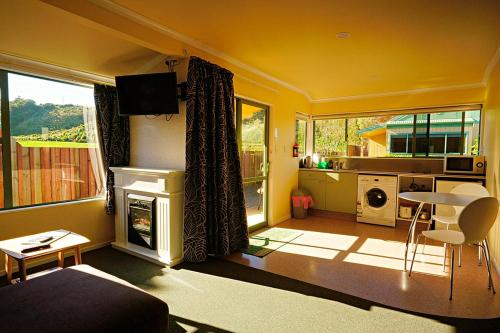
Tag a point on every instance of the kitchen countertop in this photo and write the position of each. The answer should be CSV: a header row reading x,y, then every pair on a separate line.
x,y
395,173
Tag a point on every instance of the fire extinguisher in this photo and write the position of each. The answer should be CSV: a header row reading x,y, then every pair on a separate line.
x,y
295,150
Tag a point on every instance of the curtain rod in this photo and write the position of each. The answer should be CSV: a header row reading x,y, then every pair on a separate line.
x,y
29,66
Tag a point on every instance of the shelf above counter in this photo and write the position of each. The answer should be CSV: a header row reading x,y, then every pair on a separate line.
x,y
411,219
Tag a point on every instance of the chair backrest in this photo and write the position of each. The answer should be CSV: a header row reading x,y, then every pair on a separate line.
x,y
469,189
477,218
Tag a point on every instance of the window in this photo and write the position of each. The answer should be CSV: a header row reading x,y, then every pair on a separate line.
x,y
330,137
432,134
399,145
365,136
49,144
300,135
472,130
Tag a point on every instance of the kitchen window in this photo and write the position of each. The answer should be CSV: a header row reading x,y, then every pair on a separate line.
x,y
50,151
432,134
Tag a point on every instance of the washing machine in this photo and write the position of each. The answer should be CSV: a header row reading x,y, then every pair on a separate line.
x,y
376,202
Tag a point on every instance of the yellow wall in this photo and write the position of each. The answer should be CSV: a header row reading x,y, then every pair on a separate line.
x,y
377,145
492,152
85,217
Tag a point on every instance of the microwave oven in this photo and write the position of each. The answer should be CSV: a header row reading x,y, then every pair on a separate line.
x,y
465,164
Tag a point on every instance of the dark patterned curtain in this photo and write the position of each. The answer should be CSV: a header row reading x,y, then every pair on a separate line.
x,y
114,135
214,209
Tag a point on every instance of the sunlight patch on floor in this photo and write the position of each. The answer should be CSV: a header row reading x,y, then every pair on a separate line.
x,y
325,240
309,251
393,263
385,248
372,252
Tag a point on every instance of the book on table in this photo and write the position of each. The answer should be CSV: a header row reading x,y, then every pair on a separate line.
x,y
46,238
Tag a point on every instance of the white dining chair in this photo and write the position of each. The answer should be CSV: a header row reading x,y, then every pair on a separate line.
x,y
467,189
475,220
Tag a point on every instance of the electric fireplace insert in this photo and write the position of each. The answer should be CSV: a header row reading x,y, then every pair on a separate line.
x,y
141,220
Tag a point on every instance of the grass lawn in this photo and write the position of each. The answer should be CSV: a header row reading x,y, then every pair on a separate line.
x,y
55,144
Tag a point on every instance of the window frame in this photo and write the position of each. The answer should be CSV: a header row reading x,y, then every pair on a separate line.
x,y
305,119
6,137
412,138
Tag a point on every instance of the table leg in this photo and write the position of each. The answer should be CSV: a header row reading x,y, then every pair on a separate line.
x,y
60,259
8,268
22,269
78,256
411,233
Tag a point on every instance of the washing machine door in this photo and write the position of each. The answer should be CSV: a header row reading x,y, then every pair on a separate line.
x,y
376,197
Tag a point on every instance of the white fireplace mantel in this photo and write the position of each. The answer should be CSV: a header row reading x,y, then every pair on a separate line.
x,y
167,186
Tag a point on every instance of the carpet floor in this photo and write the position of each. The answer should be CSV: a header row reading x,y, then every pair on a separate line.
x,y
222,296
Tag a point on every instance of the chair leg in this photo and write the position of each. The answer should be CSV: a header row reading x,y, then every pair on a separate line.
x,y
452,269
414,252
444,259
488,265
445,250
460,256
483,248
425,240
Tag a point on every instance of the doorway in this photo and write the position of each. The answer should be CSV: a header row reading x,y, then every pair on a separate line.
x,y
252,131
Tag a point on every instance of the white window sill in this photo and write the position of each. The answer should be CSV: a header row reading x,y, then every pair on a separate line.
x,y
50,205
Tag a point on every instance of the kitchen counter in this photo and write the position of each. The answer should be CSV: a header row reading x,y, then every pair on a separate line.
x,y
395,173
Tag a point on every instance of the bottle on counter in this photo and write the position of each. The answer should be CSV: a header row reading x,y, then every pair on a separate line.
x,y
308,162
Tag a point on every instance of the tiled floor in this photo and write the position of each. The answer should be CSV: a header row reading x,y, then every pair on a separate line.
x,y
367,261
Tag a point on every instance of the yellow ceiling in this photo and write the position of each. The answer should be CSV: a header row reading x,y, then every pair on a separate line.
x,y
37,31
394,45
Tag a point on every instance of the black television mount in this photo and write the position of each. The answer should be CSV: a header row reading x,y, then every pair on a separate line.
x,y
181,87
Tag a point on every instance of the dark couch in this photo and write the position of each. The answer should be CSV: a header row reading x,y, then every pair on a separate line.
x,y
80,299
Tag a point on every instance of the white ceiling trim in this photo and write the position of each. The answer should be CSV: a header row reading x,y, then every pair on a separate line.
x,y
399,93
30,66
138,18
491,66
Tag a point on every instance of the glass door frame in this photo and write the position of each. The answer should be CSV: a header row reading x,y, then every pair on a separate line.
x,y
239,101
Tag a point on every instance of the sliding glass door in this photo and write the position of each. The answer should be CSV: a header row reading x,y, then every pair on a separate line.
x,y
252,131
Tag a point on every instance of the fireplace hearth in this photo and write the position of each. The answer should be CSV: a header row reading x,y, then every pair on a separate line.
x,y
141,220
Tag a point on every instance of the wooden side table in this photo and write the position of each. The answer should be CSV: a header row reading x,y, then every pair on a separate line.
x,y
13,247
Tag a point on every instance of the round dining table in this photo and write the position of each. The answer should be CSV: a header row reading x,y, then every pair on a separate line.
x,y
422,198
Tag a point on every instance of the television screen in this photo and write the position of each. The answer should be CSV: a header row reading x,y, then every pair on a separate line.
x,y
147,94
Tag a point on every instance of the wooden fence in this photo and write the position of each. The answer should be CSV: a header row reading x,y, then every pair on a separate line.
x,y
251,163
50,174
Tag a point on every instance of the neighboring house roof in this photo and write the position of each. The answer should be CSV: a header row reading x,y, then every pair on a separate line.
x,y
438,119
371,129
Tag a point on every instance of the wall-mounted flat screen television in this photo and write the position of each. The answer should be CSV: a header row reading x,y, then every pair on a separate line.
x,y
147,94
